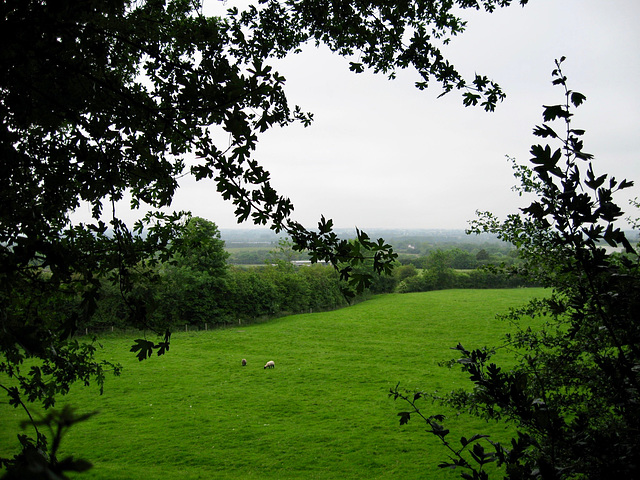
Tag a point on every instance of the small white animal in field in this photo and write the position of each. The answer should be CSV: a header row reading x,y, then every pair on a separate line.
x,y
270,364
244,362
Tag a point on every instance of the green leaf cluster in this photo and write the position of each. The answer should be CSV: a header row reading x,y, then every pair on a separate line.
x,y
572,394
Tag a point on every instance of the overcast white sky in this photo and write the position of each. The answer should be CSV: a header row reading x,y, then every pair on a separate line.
x,y
382,154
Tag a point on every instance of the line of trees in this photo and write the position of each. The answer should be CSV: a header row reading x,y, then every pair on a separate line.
x,y
444,278
463,257
197,286
187,297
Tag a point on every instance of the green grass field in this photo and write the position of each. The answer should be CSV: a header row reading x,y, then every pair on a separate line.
x,y
323,412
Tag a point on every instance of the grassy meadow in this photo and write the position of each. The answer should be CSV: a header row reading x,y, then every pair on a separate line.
x,y
323,412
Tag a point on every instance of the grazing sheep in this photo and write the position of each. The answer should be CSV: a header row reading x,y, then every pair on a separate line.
x,y
270,364
244,362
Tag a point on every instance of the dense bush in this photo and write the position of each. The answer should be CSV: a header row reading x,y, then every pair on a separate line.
x,y
324,288
459,268
433,279
403,272
251,294
187,296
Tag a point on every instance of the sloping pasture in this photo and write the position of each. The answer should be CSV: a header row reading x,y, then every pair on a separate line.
x,y
322,413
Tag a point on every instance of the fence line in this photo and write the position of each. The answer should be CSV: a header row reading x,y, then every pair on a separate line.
x,y
108,329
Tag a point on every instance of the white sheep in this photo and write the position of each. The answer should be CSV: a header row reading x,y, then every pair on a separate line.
x,y
270,364
244,362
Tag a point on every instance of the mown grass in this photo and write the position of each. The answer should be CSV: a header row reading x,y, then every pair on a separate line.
x,y
323,412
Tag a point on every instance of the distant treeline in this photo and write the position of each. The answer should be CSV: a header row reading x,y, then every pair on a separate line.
x,y
187,297
432,279
257,255
467,252
245,295
199,287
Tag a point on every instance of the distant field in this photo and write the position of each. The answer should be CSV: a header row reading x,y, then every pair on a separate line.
x,y
249,248
252,255
321,413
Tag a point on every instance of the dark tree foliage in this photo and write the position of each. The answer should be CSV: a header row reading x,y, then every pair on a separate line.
x,y
200,248
103,99
573,395
34,463
384,36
